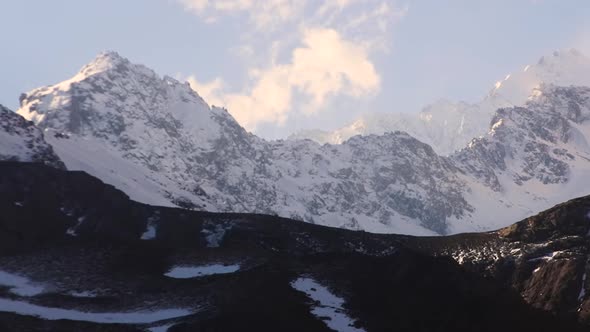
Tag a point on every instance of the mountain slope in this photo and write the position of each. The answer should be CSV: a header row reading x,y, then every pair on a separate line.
x,y
82,256
20,140
533,157
544,257
448,126
158,141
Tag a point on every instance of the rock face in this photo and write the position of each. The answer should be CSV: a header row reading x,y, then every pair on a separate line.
x,y
77,254
542,139
20,140
449,126
159,142
534,156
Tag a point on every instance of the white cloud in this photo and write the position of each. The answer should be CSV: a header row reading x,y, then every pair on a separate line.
x,y
328,65
581,40
261,12
209,91
330,5
196,6
326,45
325,65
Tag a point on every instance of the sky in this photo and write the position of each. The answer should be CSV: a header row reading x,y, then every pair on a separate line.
x,y
280,66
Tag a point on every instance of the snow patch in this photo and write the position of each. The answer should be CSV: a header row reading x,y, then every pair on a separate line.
x,y
20,285
67,212
72,230
83,294
186,272
149,234
214,237
550,256
49,313
582,293
161,328
330,305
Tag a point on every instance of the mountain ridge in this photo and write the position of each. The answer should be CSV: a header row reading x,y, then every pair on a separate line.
x,y
448,126
160,142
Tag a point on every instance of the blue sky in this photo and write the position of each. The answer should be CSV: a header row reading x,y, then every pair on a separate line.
x,y
284,65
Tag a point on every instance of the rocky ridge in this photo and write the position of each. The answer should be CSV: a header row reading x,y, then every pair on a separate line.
x,y
158,141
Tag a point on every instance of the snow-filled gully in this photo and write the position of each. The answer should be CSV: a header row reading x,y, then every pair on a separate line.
x,y
330,305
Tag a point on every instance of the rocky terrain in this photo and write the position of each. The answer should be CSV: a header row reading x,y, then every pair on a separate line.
x,y
23,141
544,257
78,254
159,142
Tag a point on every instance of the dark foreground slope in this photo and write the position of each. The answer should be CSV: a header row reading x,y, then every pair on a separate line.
x,y
544,257
88,249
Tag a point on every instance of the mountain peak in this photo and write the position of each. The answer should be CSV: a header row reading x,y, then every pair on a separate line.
x,y
561,68
111,97
113,64
110,56
104,61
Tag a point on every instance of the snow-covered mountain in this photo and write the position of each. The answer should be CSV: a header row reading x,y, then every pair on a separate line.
x,y
444,125
158,141
448,126
20,140
533,156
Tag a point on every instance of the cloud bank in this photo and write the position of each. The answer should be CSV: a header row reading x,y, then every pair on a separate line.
x,y
311,51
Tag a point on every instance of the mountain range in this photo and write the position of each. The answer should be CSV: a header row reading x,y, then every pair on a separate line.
x,y
130,204
161,143
77,254
449,126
